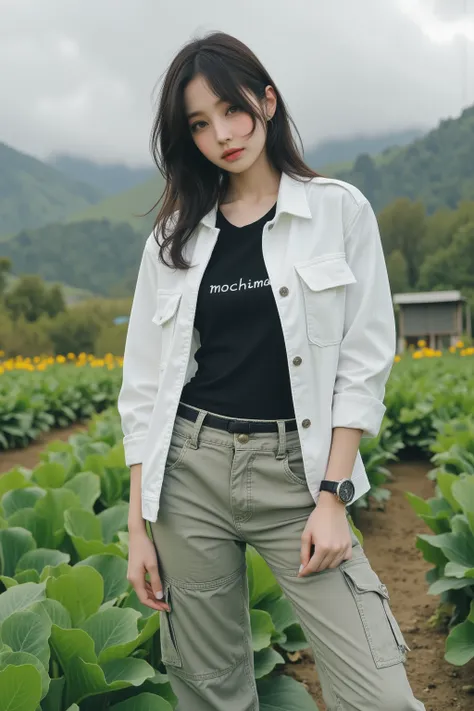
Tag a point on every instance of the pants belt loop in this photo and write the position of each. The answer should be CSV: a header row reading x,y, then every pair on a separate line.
x,y
281,440
194,439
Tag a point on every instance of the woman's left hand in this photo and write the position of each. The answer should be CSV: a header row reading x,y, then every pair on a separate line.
x,y
327,529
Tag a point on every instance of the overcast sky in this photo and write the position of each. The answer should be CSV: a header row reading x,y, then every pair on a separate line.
x,y
80,76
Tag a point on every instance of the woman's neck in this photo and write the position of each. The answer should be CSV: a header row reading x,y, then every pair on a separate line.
x,y
255,185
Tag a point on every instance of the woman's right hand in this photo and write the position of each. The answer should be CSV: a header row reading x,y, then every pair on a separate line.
x,y
141,560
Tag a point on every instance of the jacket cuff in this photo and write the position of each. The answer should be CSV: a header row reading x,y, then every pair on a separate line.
x,y
358,412
134,446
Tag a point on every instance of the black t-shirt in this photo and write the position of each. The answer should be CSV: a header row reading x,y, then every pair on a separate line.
x,y
242,362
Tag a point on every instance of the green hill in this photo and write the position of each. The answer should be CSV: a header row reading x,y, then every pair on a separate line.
x,y
436,169
339,154
33,194
108,178
127,207
97,256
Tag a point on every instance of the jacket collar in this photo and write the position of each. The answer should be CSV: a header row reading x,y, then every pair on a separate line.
x,y
292,199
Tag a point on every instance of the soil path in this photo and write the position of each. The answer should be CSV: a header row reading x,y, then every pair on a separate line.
x,y
389,541
30,456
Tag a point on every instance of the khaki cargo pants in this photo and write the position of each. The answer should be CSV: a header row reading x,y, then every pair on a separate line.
x,y
221,491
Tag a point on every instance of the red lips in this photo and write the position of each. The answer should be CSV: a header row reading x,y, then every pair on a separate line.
x,y
231,152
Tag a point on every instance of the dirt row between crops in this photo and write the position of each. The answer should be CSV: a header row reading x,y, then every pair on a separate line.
x,y
389,540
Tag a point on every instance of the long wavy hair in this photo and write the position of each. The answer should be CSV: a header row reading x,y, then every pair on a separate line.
x,y
193,185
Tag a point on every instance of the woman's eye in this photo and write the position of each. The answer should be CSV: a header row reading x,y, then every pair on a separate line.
x,y
233,109
195,126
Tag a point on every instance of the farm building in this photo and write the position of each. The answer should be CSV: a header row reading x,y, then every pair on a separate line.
x,y
438,317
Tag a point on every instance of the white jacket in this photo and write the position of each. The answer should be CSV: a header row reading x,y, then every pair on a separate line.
x,y
327,271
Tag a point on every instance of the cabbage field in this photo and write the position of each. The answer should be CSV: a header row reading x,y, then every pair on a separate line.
x,y
73,634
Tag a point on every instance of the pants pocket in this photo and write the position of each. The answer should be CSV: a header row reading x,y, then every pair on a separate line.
x,y
169,649
386,641
176,451
293,467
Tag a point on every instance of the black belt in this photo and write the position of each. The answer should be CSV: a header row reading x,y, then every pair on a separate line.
x,y
240,426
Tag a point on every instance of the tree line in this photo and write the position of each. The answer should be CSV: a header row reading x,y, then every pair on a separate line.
x,y
36,320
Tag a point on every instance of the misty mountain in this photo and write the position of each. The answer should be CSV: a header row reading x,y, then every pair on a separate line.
x,y
33,194
108,178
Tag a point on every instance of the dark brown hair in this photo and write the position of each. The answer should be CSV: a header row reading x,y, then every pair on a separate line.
x,y
193,185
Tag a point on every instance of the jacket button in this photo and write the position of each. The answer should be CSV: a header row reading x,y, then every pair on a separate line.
x,y
306,423
297,360
243,438
284,291
270,227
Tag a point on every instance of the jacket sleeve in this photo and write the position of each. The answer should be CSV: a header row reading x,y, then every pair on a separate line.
x,y
141,360
368,347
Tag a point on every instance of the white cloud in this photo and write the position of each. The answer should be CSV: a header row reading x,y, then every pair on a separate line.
x,y
431,17
81,74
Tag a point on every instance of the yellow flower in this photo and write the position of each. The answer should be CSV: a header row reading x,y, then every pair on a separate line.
x,y
398,359
421,344
60,359
460,344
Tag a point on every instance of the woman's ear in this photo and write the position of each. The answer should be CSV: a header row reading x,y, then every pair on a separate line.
x,y
270,102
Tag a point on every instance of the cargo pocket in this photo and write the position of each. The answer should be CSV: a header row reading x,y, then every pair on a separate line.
x,y
165,316
324,283
169,650
386,642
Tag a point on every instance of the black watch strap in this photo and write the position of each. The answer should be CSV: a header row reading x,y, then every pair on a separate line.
x,y
329,486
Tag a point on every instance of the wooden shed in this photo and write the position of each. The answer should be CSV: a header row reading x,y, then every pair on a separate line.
x,y
438,317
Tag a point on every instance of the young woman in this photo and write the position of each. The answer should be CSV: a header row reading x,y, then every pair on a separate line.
x,y
260,340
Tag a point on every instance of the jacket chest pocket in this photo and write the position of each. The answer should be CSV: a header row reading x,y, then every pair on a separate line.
x,y
165,317
324,292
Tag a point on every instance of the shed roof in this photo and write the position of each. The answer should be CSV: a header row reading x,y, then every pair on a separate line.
x,y
428,297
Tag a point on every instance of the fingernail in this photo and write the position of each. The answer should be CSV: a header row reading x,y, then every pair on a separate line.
x,y
301,568
159,595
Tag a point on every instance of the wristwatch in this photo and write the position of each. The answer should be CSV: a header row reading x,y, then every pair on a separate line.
x,y
344,490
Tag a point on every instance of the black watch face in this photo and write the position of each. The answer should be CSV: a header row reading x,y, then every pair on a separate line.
x,y
346,492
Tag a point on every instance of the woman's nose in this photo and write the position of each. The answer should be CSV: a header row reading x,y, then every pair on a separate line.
x,y
223,132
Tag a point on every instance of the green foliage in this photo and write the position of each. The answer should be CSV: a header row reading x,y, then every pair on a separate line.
x,y
75,331
376,453
36,322
91,255
402,226
35,402
5,267
422,394
75,631
436,169
398,272
451,266
450,516
33,194
30,299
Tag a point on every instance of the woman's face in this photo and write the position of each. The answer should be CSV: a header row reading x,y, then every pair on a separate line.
x,y
218,127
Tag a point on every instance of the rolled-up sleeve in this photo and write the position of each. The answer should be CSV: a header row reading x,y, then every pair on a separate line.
x,y
141,360
368,347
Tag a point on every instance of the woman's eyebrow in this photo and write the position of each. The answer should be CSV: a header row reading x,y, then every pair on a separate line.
x,y
196,113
